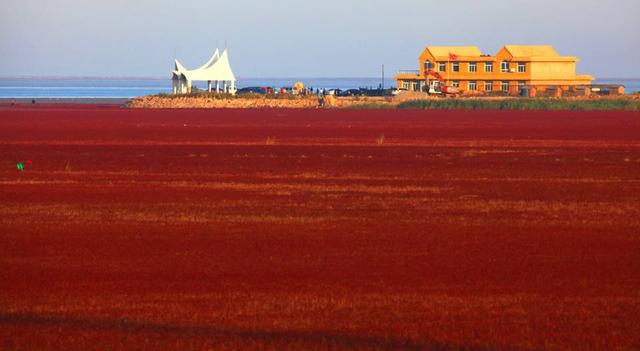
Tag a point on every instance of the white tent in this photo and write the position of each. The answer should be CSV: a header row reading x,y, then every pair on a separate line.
x,y
217,70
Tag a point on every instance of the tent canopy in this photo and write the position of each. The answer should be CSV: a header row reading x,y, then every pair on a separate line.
x,y
216,69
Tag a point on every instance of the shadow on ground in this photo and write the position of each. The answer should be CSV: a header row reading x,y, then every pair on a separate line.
x,y
196,336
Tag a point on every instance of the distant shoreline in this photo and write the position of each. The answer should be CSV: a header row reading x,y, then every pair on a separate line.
x,y
61,89
390,77
88,101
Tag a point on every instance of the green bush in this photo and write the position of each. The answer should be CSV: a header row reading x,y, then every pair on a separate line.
x,y
523,104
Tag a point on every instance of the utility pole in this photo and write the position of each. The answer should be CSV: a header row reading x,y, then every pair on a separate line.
x,y
383,77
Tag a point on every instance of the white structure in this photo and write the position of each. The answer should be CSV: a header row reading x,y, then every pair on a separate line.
x,y
217,70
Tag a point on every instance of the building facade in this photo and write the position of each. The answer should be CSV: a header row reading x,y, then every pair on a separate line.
x,y
512,68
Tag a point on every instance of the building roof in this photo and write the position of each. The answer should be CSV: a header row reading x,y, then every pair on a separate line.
x,y
532,50
217,68
441,51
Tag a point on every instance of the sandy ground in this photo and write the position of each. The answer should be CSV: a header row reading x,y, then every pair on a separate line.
x,y
260,102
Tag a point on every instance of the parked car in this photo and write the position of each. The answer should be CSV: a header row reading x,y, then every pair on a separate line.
x,y
253,90
352,92
373,92
395,92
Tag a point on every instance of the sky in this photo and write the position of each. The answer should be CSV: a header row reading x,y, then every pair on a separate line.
x,y
286,38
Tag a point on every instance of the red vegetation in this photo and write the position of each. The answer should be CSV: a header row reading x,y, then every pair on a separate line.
x,y
313,229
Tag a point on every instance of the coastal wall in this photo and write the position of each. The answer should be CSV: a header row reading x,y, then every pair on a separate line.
x,y
251,102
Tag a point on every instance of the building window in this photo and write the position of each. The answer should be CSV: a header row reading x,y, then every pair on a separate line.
x,y
522,67
488,86
488,66
427,65
473,67
504,66
405,85
504,86
455,67
455,84
521,83
442,67
473,85
416,86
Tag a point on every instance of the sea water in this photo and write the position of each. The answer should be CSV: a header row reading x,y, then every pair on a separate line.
x,y
128,88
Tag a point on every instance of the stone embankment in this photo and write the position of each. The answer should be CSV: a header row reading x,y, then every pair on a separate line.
x,y
252,102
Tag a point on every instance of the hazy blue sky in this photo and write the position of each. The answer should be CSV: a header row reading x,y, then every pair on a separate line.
x,y
286,38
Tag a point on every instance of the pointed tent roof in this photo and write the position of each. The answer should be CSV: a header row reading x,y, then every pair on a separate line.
x,y
217,68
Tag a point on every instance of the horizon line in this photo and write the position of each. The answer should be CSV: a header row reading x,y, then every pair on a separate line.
x,y
239,78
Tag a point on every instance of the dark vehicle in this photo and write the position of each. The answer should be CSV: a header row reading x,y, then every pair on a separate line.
x,y
352,92
254,90
373,92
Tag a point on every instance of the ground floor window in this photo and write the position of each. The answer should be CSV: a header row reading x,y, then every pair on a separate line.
x,y
455,84
405,85
504,86
488,86
473,85
521,83
416,86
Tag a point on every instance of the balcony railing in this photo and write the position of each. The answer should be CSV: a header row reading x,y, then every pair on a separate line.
x,y
415,71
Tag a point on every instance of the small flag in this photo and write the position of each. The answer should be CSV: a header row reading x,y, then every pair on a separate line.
x,y
453,57
23,165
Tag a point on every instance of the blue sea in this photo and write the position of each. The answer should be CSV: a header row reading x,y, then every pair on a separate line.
x,y
128,88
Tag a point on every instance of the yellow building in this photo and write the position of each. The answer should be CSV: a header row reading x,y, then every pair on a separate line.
x,y
514,66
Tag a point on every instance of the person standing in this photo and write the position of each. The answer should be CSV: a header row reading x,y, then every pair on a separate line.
x,y
320,100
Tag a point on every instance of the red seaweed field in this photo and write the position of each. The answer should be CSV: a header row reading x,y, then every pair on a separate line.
x,y
134,229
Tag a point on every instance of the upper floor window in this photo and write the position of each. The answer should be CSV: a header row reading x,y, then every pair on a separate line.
x,y
504,66
473,67
488,66
427,65
522,67
455,67
442,67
